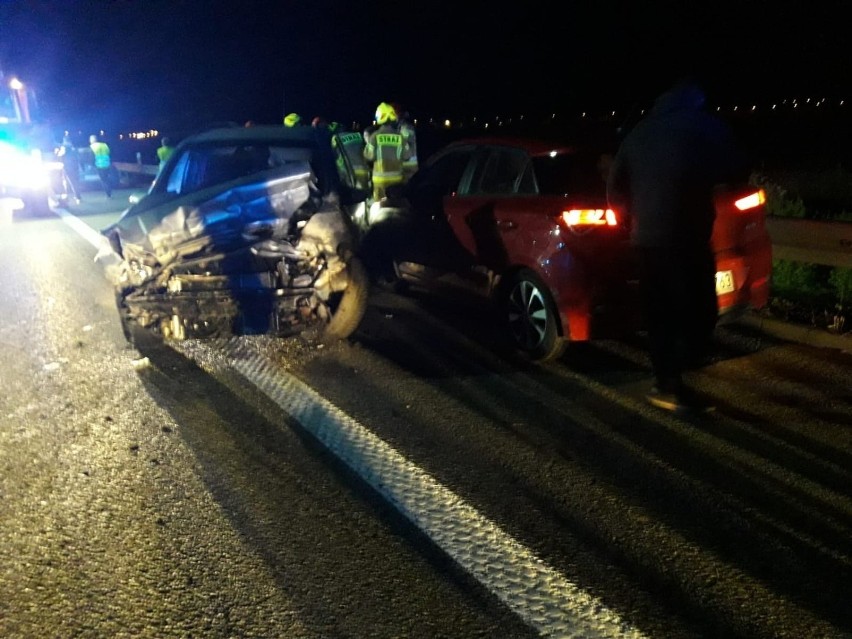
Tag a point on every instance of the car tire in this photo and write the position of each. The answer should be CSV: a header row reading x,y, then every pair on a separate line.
x,y
349,308
127,325
530,318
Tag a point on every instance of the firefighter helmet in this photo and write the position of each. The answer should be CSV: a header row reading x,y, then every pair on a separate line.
x,y
292,119
385,113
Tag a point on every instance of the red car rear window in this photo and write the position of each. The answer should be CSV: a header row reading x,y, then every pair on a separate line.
x,y
571,173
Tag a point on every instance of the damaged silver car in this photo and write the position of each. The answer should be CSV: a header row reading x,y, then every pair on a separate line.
x,y
244,231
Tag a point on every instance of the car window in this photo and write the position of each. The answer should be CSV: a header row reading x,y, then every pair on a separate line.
x,y
445,173
570,173
205,166
502,173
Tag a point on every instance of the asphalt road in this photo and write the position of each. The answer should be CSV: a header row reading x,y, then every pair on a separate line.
x,y
151,501
412,481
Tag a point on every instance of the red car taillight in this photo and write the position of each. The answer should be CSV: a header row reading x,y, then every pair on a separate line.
x,y
751,201
589,217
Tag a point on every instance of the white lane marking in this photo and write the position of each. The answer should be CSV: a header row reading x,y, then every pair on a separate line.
x,y
534,591
87,232
537,593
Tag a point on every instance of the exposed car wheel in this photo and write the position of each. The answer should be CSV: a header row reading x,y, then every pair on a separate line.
x,y
348,307
531,319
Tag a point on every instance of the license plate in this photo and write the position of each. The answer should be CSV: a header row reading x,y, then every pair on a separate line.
x,y
725,282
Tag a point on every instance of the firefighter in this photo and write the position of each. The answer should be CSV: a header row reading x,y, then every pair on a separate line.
x,y
409,140
349,149
384,151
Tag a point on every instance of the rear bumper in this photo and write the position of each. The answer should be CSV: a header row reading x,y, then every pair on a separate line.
x,y
751,270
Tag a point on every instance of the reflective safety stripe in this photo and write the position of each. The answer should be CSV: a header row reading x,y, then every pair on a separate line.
x,y
385,179
388,139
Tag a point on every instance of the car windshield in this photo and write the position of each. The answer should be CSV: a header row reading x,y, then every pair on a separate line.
x,y
201,166
571,173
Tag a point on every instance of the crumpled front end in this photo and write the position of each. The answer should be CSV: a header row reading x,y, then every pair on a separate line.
x,y
261,258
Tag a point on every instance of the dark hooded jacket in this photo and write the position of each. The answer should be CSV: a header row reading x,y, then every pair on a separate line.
x,y
664,173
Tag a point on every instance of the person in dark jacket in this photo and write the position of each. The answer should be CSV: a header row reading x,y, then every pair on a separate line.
x,y
663,178
70,158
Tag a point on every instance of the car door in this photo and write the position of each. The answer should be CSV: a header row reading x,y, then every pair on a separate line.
x,y
482,217
432,191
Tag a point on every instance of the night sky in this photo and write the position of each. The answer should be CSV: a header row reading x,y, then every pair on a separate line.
x,y
154,63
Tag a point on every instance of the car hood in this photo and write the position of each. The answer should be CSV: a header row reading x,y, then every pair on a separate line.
x,y
210,216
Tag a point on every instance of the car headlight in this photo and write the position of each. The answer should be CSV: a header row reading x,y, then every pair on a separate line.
x,y
18,169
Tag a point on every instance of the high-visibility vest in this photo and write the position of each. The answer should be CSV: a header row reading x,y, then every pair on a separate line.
x,y
351,144
384,147
164,153
101,151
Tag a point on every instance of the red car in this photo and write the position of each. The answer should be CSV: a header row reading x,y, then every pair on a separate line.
x,y
526,224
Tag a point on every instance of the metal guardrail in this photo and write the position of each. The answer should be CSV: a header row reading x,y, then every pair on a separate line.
x,y
136,167
812,241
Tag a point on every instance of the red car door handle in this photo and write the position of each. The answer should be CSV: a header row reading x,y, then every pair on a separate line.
x,y
506,225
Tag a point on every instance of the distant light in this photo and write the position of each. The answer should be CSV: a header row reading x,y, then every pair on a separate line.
x,y
773,106
613,114
447,124
486,125
553,116
15,84
753,107
583,114
841,103
552,154
102,132
121,136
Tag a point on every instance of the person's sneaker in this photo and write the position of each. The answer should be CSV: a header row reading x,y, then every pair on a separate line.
x,y
680,402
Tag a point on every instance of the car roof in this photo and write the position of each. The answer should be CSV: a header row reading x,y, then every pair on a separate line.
x,y
300,135
319,140
533,146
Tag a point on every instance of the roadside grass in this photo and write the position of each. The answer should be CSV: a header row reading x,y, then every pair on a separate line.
x,y
814,294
